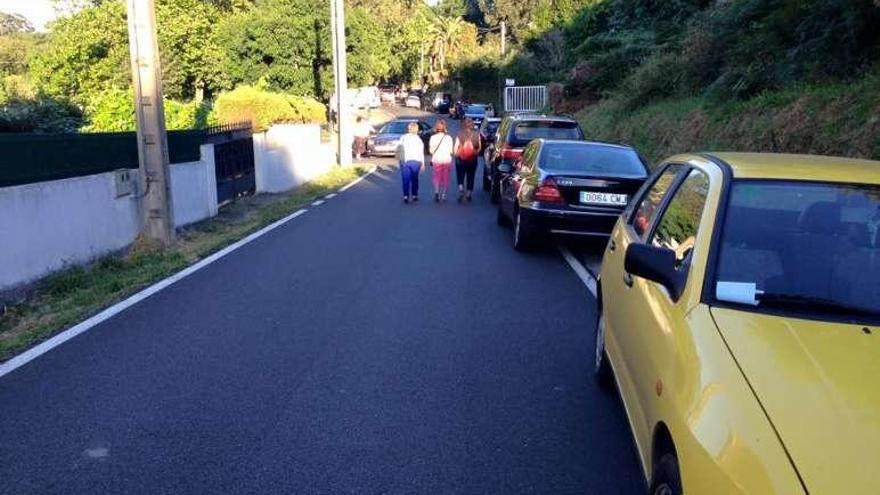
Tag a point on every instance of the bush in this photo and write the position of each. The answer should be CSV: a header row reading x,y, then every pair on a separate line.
x,y
112,110
264,108
41,114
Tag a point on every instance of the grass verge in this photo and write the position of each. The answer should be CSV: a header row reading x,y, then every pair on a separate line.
x,y
72,295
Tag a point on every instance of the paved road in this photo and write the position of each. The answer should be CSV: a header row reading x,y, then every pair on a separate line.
x,y
365,347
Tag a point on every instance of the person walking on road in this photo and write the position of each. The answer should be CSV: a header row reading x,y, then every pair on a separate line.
x,y
466,149
440,147
362,132
411,156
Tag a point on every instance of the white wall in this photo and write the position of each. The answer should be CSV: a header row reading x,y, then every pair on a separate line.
x,y
50,225
194,189
288,155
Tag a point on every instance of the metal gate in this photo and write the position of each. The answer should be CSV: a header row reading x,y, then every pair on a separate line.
x,y
233,161
525,98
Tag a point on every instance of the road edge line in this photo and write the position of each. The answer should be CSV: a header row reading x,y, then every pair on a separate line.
x,y
56,340
579,269
354,182
104,315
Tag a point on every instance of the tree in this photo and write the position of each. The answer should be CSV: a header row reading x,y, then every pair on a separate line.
x,y
445,32
87,52
14,23
283,44
369,49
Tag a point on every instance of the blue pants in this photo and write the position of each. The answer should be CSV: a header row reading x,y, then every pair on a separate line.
x,y
409,175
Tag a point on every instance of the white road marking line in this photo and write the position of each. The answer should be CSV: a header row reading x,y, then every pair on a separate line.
x,y
354,182
39,350
318,202
330,196
44,347
579,269
82,327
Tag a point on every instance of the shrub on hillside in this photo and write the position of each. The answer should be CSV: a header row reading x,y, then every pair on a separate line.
x,y
264,108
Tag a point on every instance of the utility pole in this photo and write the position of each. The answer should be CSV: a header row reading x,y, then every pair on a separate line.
x,y
344,132
422,62
152,143
503,39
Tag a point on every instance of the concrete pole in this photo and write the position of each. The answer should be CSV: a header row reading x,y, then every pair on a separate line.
x,y
345,132
335,100
152,141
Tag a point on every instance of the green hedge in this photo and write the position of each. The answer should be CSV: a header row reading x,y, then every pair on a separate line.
x,y
264,108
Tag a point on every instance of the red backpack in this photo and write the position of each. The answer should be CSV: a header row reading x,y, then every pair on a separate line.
x,y
467,151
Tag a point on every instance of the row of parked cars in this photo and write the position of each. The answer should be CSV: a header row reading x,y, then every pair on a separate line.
x,y
738,301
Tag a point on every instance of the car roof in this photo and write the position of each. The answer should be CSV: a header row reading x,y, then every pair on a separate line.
x,y
782,166
534,116
585,143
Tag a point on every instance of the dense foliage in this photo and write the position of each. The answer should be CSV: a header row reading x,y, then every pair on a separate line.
x,y
634,52
263,108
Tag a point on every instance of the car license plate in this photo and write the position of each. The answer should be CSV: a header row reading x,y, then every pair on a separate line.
x,y
600,198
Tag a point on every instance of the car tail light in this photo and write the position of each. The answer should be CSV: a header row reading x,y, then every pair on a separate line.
x,y
511,153
548,192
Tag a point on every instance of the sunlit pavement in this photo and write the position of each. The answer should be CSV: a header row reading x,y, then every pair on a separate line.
x,y
365,347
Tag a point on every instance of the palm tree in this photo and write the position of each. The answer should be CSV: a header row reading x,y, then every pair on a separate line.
x,y
444,32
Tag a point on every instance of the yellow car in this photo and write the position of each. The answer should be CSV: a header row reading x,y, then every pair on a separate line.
x,y
739,316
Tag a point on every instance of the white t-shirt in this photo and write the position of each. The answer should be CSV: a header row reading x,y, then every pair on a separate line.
x,y
362,129
411,149
440,147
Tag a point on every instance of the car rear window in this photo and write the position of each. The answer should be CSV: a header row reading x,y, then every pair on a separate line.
x,y
395,128
524,132
476,109
584,157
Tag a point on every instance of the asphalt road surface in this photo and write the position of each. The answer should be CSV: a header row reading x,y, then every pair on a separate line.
x,y
365,347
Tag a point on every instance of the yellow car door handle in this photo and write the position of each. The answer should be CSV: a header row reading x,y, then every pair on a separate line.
x,y
628,279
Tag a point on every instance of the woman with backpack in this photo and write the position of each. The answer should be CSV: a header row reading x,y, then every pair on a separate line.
x,y
466,149
440,146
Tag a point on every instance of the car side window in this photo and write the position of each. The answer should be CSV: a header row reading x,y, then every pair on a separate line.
x,y
677,228
651,200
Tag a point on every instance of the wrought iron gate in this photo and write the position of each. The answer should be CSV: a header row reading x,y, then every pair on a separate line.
x,y
233,161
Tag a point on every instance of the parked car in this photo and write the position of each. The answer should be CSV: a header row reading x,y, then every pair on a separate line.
x,y
387,94
385,142
488,130
368,97
573,188
476,112
514,133
739,308
413,101
441,102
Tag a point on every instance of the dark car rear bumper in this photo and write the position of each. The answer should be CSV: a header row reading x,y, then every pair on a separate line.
x,y
570,222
